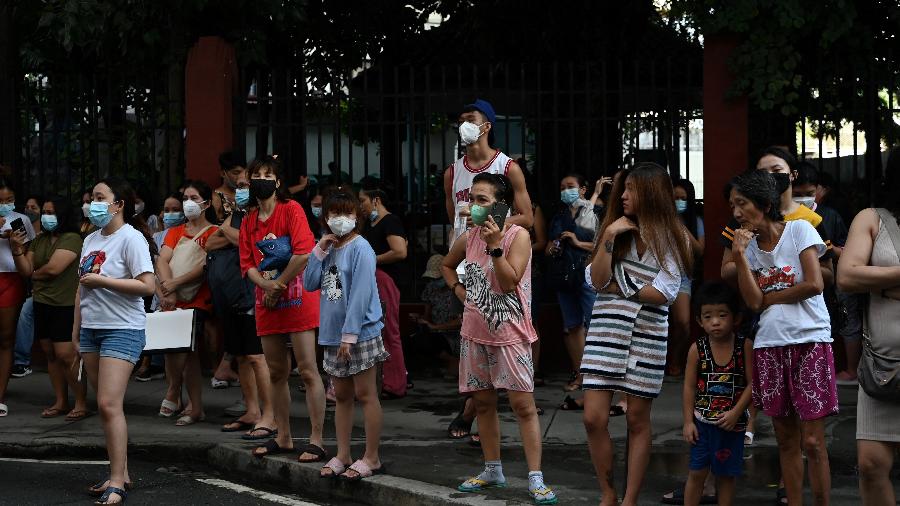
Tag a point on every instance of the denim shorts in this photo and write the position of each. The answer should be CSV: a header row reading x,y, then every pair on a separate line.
x,y
720,450
576,306
685,286
124,344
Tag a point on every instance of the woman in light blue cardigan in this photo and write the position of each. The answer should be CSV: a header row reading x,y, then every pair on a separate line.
x,y
342,266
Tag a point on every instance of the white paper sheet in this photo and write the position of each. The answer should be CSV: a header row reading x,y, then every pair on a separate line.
x,y
170,330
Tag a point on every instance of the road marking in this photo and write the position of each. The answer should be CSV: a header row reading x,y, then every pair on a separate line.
x,y
70,462
259,494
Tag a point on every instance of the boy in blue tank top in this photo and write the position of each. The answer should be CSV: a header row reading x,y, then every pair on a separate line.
x,y
716,394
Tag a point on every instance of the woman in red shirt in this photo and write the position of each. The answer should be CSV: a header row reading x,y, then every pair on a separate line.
x,y
173,291
283,309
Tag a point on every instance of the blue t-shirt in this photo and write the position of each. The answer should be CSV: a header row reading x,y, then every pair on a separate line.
x,y
349,307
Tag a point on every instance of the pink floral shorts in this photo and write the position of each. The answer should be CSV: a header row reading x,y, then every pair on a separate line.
x,y
797,378
484,367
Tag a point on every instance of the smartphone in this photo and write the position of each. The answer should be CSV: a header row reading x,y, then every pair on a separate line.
x,y
499,212
18,224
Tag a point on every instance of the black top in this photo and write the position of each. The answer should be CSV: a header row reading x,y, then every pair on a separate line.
x,y
377,235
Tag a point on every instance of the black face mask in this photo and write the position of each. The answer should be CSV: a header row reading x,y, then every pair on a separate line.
x,y
782,182
262,188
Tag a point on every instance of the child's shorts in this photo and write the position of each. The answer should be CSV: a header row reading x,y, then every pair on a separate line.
x,y
720,450
484,367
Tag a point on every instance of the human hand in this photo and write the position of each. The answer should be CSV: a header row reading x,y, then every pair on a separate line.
x,y
17,240
168,286
167,303
491,233
620,226
742,238
728,420
603,181
273,291
343,352
689,433
568,235
327,241
92,280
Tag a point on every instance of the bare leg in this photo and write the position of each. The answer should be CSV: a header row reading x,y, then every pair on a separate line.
x,y
787,432
876,458
596,423
819,469
263,383
57,377
639,435
522,404
66,356
344,393
726,486
279,369
485,402
366,389
8,317
175,363
194,382
110,376
248,391
574,340
693,488
305,353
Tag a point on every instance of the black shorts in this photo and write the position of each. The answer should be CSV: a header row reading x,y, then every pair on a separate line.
x,y
240,335
53,322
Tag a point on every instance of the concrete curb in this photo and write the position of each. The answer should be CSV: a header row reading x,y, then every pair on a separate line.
x,y
381,489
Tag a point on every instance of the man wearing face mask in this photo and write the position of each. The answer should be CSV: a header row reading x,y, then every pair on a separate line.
x,y
232,169
476,134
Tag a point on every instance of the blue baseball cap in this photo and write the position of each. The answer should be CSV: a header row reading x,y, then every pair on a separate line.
x,y
485,108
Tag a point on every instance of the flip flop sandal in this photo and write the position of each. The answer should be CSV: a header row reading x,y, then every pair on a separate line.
x,y
362,471
312,449
168,409
52,413
460,426
186,420
104,499
476,484
241,426
4,410
269,433
569,404
336,467
616,410
272,448
543,495
97,489
475,440
748,438
218,384
677,497
76,416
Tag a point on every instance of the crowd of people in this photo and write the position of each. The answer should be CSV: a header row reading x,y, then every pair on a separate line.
x,y
302,280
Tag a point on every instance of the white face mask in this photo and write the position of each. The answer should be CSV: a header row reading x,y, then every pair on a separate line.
x,y
192,210
809,202
86,209
469,132
341,225
139,208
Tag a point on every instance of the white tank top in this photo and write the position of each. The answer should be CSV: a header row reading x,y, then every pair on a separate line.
x,y
463,174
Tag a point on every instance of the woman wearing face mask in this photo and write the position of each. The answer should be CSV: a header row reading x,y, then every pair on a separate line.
x,y
343,267
116,272
33,207
51,261
315,209
283,309
12,288
141,209
572,232
680,312
385,234
182,291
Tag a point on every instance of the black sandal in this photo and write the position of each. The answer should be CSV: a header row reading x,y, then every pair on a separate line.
x,y
96,490
312,449
569,404
459,425
272,448
253,437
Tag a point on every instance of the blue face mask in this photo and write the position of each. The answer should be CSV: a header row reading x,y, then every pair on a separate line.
x,y
316,212
242,197
99,214
680,205
569,196
173,219
5,209
49,222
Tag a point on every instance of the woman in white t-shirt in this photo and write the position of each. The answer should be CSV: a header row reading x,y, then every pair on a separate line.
x,y
116,271
779,276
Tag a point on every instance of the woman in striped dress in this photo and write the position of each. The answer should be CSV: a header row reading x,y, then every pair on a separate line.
x,y
636,267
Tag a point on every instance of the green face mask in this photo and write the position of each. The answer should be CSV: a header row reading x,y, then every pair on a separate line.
x,y
479,214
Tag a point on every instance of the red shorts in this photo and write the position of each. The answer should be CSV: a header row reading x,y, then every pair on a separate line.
x,y
12,289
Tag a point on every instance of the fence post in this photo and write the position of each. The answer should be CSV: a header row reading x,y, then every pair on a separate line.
x,y
209,84
725,143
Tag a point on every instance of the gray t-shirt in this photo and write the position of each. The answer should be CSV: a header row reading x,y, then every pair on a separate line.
x,y
124,254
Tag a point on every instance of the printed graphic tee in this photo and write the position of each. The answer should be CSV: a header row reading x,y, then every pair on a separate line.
x,y
124,254
806,321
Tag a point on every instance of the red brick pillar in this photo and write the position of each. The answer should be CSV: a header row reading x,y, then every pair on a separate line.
x,y
209,85
725,144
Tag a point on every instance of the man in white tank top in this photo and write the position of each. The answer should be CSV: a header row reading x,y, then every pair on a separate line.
x,y
475,125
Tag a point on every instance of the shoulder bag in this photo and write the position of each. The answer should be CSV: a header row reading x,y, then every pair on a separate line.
x,y
186,256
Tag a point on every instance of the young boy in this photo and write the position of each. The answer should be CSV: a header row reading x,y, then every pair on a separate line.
x,y
716,394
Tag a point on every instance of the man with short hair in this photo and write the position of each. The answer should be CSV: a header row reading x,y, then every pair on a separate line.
x,y
232,168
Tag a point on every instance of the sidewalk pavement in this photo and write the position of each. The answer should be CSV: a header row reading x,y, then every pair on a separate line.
x,y
424,466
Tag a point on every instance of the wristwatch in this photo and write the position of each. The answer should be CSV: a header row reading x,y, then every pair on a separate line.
x,y
496,252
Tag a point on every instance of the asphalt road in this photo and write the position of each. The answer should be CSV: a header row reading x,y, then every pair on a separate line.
x,y
27,482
